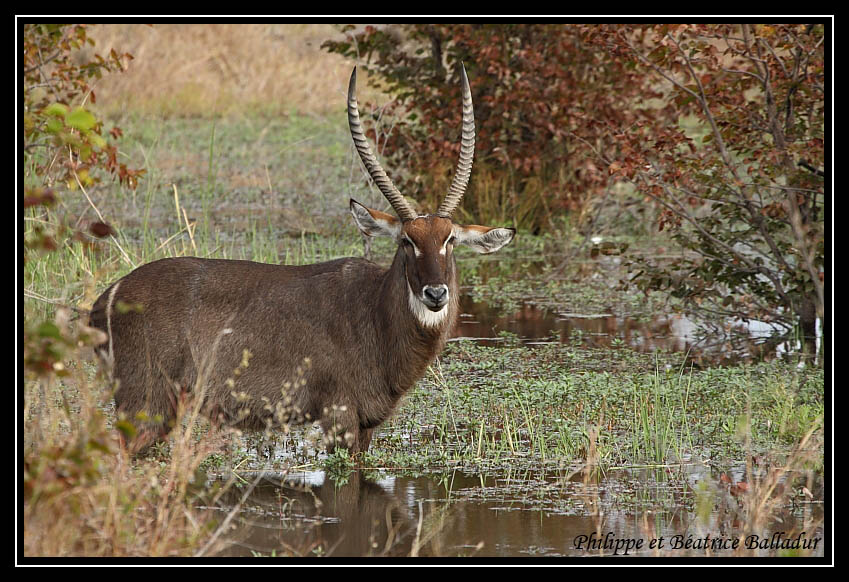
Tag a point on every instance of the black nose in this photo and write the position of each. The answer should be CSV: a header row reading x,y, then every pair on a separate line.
x,y
436,295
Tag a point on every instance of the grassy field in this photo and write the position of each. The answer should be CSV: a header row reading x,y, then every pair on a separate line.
x,y
223,69
249,157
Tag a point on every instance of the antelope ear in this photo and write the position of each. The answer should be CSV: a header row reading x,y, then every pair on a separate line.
x,y
483,239
374,222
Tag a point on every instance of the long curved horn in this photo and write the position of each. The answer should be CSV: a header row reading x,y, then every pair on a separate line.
x,y
402,207
467,153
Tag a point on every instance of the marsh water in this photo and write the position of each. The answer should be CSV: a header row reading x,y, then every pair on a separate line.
x,y
627,512
664,332
534,325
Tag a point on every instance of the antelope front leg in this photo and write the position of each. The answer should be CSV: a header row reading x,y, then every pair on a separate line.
x,y
341,429
364,439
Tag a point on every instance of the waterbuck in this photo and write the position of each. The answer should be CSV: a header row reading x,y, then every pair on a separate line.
x,y
265,345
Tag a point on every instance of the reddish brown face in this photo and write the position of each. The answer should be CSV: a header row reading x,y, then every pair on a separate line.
x,y
428,242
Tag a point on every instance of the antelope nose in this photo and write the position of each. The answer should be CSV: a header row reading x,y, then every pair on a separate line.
x,y
435,296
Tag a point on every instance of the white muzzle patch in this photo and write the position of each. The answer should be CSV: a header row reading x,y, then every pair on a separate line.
x,y
425,316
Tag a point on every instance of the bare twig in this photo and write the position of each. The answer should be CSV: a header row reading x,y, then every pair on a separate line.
x,y
100,216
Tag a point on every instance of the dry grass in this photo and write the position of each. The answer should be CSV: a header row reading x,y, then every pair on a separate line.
x,y
217,68
83,495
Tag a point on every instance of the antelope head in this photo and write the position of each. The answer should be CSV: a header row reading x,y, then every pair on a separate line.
x,y
426,242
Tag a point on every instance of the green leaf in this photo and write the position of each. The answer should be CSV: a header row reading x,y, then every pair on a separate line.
x,y
54,125
80,119
128,429
97,140
56,109
49,329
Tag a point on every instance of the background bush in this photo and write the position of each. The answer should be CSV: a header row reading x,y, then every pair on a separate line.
x,y
720,129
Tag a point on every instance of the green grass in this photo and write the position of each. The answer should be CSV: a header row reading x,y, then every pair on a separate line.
x,y
265,190
493,406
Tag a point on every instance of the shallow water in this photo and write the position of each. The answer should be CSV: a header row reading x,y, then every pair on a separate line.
x,y
534,325
541,513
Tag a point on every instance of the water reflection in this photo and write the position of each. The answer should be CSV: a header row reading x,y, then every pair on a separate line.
x,y
306,514
553,513
534,325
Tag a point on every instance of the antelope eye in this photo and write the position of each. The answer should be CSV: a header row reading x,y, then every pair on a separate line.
x,y
451,239
407,242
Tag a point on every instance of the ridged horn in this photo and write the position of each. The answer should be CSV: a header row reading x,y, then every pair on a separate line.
x,y
399,204
467,153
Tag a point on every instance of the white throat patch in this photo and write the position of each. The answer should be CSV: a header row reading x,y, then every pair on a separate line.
x,y
425,316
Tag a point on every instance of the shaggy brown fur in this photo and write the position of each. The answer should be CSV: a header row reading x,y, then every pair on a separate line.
x,y
334,342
